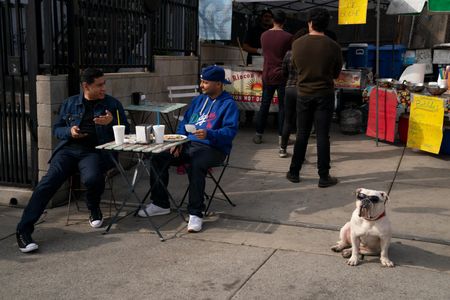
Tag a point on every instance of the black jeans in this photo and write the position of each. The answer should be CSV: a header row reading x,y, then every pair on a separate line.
x,y
267,95
200,158
65,163
317,110
290,114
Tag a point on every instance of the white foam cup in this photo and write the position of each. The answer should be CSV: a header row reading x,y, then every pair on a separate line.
x,y
190,128
119,134
158,131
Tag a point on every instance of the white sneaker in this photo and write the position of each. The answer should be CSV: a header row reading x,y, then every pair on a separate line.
x,y
153,210
195,224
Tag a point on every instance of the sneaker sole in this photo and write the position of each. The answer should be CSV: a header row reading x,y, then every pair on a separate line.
x,y
30,249
96,226
154,214
293,180
327,185
283,155
193,231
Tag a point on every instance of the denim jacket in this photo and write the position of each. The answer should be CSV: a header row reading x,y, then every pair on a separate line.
x,y
71,114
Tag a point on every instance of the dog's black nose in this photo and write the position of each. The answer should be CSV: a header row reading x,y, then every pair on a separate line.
x,y
365,203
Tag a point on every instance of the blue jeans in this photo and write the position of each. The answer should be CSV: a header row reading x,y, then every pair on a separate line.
x,y
200,158
317,110
65,163
267,95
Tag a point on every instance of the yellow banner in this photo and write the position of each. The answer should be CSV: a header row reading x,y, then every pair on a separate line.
x,y
425,123
352,12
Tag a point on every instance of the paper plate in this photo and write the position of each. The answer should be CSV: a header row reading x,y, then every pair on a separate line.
x,y
174,137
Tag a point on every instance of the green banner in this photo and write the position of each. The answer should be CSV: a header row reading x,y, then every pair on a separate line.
x,y
439,5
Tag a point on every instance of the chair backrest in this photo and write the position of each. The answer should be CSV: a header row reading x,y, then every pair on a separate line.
x,y
182,91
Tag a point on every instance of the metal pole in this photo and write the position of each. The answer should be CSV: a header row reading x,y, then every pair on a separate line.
x,y
377,64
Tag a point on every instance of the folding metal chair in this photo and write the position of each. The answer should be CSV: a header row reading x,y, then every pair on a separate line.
x,y
76,189
182,91
217,186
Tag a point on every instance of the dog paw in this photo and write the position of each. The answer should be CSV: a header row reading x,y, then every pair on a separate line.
x,y
346,253
353,261
336,248
386,262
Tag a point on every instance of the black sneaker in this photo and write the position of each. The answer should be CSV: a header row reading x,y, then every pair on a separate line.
x,y
292,178
96,218
327,181
25,242
282,152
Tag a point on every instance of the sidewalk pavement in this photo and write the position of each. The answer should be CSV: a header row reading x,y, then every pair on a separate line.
x,y
274,243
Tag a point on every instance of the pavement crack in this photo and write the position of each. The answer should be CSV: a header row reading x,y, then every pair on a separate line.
x,y
252,274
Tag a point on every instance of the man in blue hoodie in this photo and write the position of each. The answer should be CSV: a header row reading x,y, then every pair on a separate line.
x,y
215,116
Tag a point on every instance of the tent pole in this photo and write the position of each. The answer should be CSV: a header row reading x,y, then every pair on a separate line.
x,y
377,64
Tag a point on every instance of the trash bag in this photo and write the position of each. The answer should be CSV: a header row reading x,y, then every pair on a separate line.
x,y
351,121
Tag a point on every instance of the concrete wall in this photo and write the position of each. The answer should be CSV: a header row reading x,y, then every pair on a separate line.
x,y
52,90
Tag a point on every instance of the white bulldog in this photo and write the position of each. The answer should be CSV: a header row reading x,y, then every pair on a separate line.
x,y
369,229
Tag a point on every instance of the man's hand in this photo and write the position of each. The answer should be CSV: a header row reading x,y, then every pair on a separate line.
x,y
76,134
175,151
104,119
200,134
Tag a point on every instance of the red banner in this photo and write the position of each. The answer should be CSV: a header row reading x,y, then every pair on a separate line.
x,y
387,112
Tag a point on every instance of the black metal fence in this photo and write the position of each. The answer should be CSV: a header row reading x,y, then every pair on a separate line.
x,y
176,26
113,34
18,143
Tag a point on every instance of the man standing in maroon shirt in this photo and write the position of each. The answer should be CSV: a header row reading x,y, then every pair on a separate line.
x,y
275,43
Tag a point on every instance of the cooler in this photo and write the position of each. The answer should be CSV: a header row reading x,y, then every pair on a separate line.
x,y
372,56
357,56
391,61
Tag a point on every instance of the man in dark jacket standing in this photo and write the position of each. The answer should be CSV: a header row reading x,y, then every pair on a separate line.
x,y
85,121
318,60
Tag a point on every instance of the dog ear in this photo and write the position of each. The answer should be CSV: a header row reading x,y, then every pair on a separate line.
x,y
358,190
385,196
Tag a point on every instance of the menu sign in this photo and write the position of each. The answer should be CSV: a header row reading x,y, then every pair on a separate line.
x,y
425,123
352,12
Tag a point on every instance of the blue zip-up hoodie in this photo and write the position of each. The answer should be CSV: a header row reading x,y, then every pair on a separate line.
x,y
71,114
220,118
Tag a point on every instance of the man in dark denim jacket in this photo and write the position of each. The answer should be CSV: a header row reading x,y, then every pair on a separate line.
x,y
85,121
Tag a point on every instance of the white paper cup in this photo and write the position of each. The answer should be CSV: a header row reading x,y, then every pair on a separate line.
x,y
158,131
119,134
190,128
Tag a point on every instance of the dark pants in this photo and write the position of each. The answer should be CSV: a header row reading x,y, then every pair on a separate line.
x,y
317,110
64,164
267,95
200,158
290,114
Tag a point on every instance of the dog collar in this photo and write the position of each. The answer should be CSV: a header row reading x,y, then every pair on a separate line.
x,y
377,218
